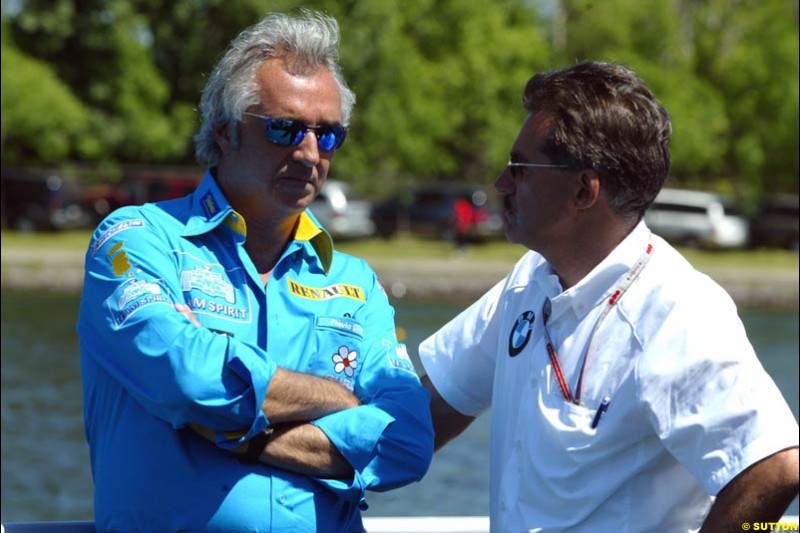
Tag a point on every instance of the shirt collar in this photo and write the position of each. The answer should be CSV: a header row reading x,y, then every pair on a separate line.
x,y
317,243
599,284
210,208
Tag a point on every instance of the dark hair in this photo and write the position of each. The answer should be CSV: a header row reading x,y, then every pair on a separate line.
x,y
605,118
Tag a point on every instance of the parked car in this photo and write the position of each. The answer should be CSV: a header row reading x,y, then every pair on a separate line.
x,y
342,212
139,186
436,211
697,218
40,199
777,222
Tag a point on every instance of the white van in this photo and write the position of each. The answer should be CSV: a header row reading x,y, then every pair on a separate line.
x,y
697,218
341,212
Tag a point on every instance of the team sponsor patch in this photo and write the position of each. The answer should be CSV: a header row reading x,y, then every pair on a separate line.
x,y
345,361
119,259
114,230
210,289
207,306
340,290
520,333
209,204
397,356
133,295
208,281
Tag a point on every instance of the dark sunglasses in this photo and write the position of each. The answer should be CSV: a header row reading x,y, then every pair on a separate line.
x,y
288,132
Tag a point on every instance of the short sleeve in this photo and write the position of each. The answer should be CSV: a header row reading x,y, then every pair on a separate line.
x,y
711,402
460,357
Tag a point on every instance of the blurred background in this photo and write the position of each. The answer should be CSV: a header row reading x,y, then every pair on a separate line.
x,y
100,94
99,105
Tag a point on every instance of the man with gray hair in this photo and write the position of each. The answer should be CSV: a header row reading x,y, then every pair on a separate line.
x,y
238,373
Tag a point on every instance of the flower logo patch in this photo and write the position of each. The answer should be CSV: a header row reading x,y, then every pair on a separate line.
x,y
345,361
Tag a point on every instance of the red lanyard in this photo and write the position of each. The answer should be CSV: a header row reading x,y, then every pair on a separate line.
x,y
626,282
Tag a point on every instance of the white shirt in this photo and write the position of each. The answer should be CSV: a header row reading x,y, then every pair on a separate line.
x,y
690,404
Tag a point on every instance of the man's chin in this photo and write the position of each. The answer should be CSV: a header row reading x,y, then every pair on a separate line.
x,y
295,199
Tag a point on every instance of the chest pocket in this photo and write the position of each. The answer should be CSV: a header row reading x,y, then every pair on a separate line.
x,y
337,348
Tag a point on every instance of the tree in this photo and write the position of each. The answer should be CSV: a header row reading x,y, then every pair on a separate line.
x,y
748,51
727,71
100,48
42,120
439,84
649,37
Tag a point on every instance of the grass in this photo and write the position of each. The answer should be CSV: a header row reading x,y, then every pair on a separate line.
x,y
64,240
408,247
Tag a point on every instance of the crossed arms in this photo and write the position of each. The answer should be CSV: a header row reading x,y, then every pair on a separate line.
x,y
230,390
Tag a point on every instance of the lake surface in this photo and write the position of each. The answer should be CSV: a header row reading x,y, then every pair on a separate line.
x,y
45,460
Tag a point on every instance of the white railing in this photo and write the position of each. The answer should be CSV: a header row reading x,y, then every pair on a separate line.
x,y
421,524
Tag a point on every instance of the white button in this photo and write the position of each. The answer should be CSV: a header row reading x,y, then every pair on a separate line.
x,y
282,499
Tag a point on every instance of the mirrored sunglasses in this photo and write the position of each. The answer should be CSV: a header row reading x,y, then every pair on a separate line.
x,y
288,132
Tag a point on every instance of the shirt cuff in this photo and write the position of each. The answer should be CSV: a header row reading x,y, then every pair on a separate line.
x,y
355,432
257,371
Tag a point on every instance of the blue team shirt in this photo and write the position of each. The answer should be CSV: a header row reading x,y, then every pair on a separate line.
x,y
148,372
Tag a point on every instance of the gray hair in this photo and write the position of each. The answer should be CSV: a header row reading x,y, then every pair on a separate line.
x,y
309,42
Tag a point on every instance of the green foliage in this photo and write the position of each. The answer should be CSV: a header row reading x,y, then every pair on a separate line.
x,y
727,71
42,120
748,50
116,76
648,37
439,86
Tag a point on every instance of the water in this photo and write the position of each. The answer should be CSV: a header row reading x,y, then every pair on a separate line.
x,y
45,461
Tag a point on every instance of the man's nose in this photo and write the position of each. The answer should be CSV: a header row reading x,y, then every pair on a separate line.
x,y
504,184
308,150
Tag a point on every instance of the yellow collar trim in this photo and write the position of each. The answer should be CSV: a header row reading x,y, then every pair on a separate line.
x,y
236,222
307,230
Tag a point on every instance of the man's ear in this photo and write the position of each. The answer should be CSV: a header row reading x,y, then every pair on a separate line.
x,y
222,135
588,189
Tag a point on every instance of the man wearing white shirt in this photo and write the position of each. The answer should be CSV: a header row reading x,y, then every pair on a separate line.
x,y
625,395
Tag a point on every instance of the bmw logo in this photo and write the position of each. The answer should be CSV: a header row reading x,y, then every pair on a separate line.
x,y
520,333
